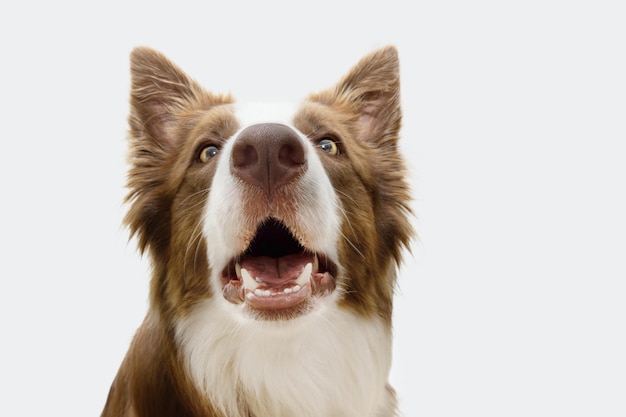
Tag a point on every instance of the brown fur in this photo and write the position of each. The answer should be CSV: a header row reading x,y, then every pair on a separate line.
x,y
171,116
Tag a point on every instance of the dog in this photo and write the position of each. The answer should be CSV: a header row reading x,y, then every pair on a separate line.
x,y
275,233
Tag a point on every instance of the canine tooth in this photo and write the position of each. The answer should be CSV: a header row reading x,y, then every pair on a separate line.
x,y
316,263
248,282
305,275
238,270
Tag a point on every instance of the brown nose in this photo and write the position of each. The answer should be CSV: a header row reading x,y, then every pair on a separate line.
x,y
268,155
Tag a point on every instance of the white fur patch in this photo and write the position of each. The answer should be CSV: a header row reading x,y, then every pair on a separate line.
x,y
328,363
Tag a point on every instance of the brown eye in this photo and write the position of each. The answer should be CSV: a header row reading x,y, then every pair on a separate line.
x,y
207,153
329,146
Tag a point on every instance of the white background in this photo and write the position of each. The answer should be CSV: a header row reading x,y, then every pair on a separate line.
x,y
513,302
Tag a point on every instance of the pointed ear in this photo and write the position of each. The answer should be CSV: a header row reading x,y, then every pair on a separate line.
x,y
160,95
159,90
372,89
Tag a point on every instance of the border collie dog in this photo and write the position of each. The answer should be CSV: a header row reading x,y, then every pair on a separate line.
x,y
275,232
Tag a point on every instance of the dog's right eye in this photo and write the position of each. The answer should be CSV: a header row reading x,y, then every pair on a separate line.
x,y
329,146
207,152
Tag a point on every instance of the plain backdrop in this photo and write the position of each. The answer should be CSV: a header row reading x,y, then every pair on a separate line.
x,y
512,302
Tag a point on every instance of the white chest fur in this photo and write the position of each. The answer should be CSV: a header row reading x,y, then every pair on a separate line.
x,y
328,363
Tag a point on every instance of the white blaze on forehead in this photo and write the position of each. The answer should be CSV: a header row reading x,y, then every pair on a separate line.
x,y
260,112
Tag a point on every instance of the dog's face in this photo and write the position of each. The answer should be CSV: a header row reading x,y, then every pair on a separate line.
x,y
274,233
272,211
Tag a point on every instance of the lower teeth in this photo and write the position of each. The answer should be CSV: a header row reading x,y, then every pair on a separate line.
x,y
252,285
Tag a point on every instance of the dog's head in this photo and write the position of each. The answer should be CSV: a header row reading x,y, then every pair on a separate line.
x,y
272,210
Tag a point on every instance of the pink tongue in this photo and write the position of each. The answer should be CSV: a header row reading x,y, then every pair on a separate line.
x,y
276,271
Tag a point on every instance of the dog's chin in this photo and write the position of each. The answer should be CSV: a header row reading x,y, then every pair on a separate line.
x,y
276,278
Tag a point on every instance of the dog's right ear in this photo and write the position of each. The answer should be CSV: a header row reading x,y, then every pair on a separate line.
x,y
159,90
162,96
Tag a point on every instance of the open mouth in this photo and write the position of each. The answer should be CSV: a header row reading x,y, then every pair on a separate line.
x,y
276,272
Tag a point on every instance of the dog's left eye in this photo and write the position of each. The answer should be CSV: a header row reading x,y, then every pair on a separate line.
x,y
207,153
329,146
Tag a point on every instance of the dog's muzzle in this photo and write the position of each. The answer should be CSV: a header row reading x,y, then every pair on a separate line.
x,y
276,275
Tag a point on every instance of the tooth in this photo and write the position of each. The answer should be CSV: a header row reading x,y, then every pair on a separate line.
x,y
305,275
238,270
287,290
316,263
296,288
248,282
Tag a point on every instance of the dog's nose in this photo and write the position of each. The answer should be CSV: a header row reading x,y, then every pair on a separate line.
x,y
268,155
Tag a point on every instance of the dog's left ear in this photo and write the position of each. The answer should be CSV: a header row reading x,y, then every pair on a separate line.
x,y
372,90
369,94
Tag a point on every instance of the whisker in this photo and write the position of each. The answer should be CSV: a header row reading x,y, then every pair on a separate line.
x,y
202,201
195,255
345,216
196,233
195,237
346,196
344,212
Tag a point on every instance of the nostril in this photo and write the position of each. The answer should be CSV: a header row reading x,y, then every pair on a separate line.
x,y
244,155
291,154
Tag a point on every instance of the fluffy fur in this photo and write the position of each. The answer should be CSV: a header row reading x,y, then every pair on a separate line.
x,y
210,346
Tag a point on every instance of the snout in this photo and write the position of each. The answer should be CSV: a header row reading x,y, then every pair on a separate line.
x,y
268,156
272,223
